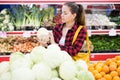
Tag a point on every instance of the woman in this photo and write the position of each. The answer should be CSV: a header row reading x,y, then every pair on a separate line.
x,y
73,16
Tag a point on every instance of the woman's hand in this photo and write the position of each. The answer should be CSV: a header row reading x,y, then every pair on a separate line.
x,y
52,41
44,40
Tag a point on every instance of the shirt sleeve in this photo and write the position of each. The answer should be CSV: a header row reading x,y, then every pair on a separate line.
x,y
75,48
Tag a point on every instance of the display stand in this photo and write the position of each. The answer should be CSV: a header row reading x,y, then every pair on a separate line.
x,y
94,56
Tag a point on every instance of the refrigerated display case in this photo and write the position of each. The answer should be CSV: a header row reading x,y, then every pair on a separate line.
x,y
94,56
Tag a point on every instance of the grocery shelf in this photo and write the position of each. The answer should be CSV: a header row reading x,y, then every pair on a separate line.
x,y
4,58
93,57
102,56
92,32
15,33
97,32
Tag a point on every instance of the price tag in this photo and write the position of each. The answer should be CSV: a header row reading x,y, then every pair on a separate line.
x,y
112,32
26,34
89,33
3,34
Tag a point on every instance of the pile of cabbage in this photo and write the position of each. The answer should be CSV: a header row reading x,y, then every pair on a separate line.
x,y
44,64
6,23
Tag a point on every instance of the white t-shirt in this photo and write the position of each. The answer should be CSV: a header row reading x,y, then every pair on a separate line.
x,y
62,41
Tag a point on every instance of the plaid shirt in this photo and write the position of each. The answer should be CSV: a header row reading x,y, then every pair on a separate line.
x,y
71,49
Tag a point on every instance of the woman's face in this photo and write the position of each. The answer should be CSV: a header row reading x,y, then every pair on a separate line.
x,y
66,15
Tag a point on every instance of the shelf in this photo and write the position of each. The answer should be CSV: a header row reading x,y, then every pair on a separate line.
x,y
19,33
92,32
103,32
94,56
102,56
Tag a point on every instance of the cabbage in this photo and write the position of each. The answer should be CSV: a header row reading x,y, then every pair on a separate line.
x,y
21,63
53,47
85,75
23,74
81,65
28,58
41,71
75,79
56,78
54,73
37,54
65,56
4,11
68,70
5,76
43,33
52,59
4,67
15,56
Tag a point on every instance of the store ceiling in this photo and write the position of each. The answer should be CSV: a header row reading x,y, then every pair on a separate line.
x,y
56,1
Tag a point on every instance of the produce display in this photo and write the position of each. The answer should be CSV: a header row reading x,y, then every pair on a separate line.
x,y
105,43
99,20
114,16
51,63
115,19
30,61
18,44
44,64
6,21
108,70
24,17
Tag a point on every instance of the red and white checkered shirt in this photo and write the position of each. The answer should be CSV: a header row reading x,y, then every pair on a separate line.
x,y
71,49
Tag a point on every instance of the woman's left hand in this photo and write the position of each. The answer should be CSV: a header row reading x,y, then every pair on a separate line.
x,y
52,41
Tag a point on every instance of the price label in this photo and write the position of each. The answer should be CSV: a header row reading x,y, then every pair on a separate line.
x,y
26,34
112,32
89,33
3,34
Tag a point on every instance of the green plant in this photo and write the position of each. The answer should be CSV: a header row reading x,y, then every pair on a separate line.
x,y
105,42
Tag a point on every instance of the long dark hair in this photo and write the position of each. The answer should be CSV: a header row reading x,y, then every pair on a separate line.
x,y
79,10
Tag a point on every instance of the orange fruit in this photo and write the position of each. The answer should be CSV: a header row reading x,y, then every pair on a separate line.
x,y
108,77
118,71
102,78
114,60
113,63
94,72
117,57
112,67
100,63
98,76
108,61
98,68
116,78
102,73
91,67
113,73
118,62
105,69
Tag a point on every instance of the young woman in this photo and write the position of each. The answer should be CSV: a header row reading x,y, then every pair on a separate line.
x,y
73,15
